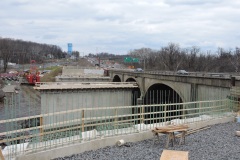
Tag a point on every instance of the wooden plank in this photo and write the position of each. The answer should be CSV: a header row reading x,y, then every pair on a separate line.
x,y
82,120
170,128
170,137
1,155
177,130
174,155
41,129
116,119
182,137
142,115
41,124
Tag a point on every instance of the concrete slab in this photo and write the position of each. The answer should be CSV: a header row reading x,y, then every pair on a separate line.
x,y
84,85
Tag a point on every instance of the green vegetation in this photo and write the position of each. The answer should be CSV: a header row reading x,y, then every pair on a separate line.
x,y
52,68
50,77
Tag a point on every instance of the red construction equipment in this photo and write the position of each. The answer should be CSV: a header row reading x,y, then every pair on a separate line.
x,y
32,76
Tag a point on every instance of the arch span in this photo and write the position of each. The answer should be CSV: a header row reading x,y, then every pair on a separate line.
x,y
116,78
162,94
131,80
136,92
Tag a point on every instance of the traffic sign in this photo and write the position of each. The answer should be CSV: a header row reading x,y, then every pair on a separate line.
x,y
131,60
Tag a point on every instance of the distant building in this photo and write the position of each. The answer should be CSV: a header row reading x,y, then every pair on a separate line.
x,y
50,56
70,48
11,64
73,57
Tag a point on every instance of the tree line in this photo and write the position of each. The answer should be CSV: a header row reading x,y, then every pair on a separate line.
x,y
169,58
172,58
21,52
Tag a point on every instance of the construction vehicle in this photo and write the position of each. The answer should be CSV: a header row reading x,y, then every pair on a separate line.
x,y
31,76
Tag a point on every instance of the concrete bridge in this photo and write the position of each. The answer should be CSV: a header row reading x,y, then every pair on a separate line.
x,y
102,113
193,87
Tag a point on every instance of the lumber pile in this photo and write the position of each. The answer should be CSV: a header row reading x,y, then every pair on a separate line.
x,y
170,128
1,155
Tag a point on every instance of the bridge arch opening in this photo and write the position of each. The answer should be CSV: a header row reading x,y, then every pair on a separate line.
x,y
136,92
116,78
131,80
162,94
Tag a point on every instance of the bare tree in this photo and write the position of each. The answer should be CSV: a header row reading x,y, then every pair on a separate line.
x,y
172,56
234,58
20,51
7,50
191,58
144,55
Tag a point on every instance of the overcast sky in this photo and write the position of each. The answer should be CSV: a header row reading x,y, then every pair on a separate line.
x,y
118,26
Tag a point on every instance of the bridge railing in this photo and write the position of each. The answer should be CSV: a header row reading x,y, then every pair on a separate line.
x,y
22,135
38,84
195,74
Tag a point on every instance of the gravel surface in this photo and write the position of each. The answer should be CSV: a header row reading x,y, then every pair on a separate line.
x,y
217,143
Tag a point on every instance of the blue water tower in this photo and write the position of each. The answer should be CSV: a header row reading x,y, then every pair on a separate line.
x,y
70,48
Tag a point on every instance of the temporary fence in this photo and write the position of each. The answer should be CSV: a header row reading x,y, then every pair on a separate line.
x,y
28,134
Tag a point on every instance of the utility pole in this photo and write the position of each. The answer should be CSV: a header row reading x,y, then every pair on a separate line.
x,y
98,57
144,65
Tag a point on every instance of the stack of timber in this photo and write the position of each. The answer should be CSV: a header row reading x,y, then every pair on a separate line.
x,y
170,128
178,127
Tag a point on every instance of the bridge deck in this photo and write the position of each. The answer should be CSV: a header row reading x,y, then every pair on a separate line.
x,y
86,85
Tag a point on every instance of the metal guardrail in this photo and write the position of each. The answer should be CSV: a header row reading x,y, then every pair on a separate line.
x,y
195,74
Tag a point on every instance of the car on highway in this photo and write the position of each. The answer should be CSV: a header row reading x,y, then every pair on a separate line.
x,y
182,72
138,70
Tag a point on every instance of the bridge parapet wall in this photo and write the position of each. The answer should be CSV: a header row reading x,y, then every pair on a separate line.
x,y
189,88
211,81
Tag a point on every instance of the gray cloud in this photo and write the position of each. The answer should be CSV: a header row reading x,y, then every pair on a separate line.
x,y
118,26
192,2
